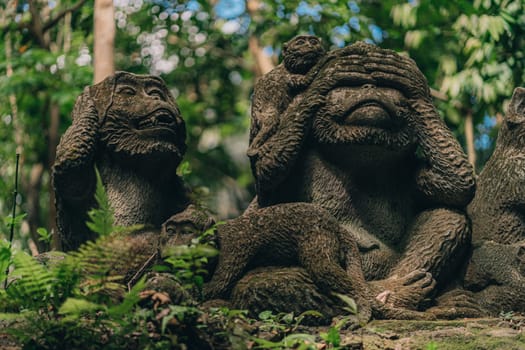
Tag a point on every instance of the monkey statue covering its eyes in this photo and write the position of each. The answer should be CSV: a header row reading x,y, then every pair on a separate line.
x,y
364,143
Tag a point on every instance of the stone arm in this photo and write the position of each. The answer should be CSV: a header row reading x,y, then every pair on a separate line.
x,y
446,177
298,82
274,159
73,171
270,99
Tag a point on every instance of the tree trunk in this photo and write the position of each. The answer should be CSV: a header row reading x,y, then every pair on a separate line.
x,y
53,137
263,62
39,26
19,133
499,118
32,190
469,138
104,32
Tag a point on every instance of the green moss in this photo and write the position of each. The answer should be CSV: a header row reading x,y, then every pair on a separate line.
x,y
402,326
476,343
473,334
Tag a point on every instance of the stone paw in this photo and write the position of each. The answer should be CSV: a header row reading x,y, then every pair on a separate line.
x,y
457,303
404,292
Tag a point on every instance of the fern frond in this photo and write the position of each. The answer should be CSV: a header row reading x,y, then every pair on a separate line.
x,y
32,284
101,218
108,263
131,299
75,307
5,259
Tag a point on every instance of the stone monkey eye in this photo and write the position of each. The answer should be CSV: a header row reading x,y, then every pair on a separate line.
x,y
300,42
187,229
181,228
156,93
127,90
314,41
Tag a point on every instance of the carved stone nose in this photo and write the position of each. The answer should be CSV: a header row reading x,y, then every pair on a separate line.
x,y
368,86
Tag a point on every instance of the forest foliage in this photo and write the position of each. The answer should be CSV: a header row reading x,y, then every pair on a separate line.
x,y
80,299
209,53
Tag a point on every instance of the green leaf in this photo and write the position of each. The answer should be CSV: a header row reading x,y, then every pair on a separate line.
x,y
265,315
12,316
351,305
77,307
17,220
431,346
44,235
267,344
298,338
184,169
287,318
5,259
33,282
101,218
312,313
332,337
130,300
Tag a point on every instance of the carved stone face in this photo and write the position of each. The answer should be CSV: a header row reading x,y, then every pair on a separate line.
x,y
141,118
302,53
365,115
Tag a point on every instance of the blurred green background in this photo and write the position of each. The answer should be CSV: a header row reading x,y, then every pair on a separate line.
x,y
210,53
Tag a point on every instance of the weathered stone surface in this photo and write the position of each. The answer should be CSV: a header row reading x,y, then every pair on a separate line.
x,y
131,129
364,143
273,92
496,270
292,234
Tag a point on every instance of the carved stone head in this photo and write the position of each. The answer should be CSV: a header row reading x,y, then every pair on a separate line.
x,y
139,118
513,130
301,53
363,116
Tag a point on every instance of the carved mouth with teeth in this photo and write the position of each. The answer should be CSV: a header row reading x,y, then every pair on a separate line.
x,y
161,121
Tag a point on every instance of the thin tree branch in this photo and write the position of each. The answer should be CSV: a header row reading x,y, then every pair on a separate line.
x,y
35,26
52,22
438,95
19,27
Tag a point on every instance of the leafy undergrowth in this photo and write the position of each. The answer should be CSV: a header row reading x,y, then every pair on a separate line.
x,y
71,301
85,300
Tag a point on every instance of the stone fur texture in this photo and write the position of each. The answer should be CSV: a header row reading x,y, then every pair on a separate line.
x,y
273,92
496,270
130,128
291,234
365,143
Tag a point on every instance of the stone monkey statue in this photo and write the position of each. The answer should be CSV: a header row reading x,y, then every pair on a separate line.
x,y
293,234
274,91
130,127
365,143
286,235
496,270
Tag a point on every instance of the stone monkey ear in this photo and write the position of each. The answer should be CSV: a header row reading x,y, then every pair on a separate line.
x,y
285,48
516,110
